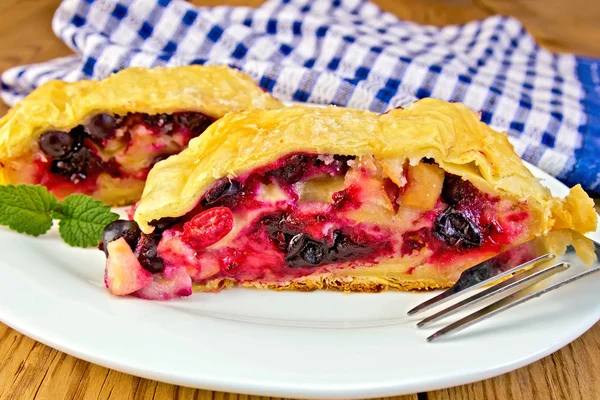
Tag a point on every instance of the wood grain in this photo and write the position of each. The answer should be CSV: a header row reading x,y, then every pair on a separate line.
x,y
31,370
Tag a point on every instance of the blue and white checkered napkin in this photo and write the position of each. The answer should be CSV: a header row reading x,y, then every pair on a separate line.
x,y
350,53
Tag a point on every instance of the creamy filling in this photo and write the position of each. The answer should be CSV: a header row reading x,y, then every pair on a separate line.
x,y
311,214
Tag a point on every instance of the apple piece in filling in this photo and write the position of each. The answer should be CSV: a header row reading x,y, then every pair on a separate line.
x,y
309,221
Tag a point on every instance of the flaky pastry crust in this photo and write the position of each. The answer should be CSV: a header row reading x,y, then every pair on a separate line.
x,y
58,105
450,133
320,282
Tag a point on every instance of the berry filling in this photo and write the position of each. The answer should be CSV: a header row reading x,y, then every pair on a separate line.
x,y
309,214
109,156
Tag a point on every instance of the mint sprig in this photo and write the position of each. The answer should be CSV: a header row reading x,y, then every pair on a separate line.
x,y
31,209
26,209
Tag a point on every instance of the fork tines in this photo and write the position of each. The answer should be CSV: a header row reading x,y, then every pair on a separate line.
x,y
516,271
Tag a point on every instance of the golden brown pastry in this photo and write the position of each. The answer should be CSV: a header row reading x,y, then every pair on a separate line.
x,y
331,198
102,137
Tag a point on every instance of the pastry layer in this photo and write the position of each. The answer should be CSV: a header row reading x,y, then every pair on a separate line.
x,y
58,106
302,198
449,133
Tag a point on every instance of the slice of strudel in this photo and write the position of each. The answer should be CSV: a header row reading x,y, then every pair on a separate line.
x,y
102,137
304,198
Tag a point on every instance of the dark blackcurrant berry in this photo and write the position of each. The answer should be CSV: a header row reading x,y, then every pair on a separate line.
x,y
163,224
221,191
471,277
292,171
274,225
162,122
102,126
78,165
147,253
456,189
456,229
195,122
56,144
159,158
303,251
313,252
340,163
344,248
129,230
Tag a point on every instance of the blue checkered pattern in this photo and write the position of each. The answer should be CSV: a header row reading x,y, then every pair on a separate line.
x,y
350,53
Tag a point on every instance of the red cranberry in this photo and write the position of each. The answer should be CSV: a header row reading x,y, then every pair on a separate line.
x,y
208,227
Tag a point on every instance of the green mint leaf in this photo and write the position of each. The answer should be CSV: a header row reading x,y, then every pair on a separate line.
x,y
26,208
82,220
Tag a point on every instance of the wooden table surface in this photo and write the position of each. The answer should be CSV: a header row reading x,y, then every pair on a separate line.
x,y
31,370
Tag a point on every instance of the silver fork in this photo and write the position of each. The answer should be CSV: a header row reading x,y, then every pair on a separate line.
x,y
517,270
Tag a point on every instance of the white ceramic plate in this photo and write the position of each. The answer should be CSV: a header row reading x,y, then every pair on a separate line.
x,y
306,345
